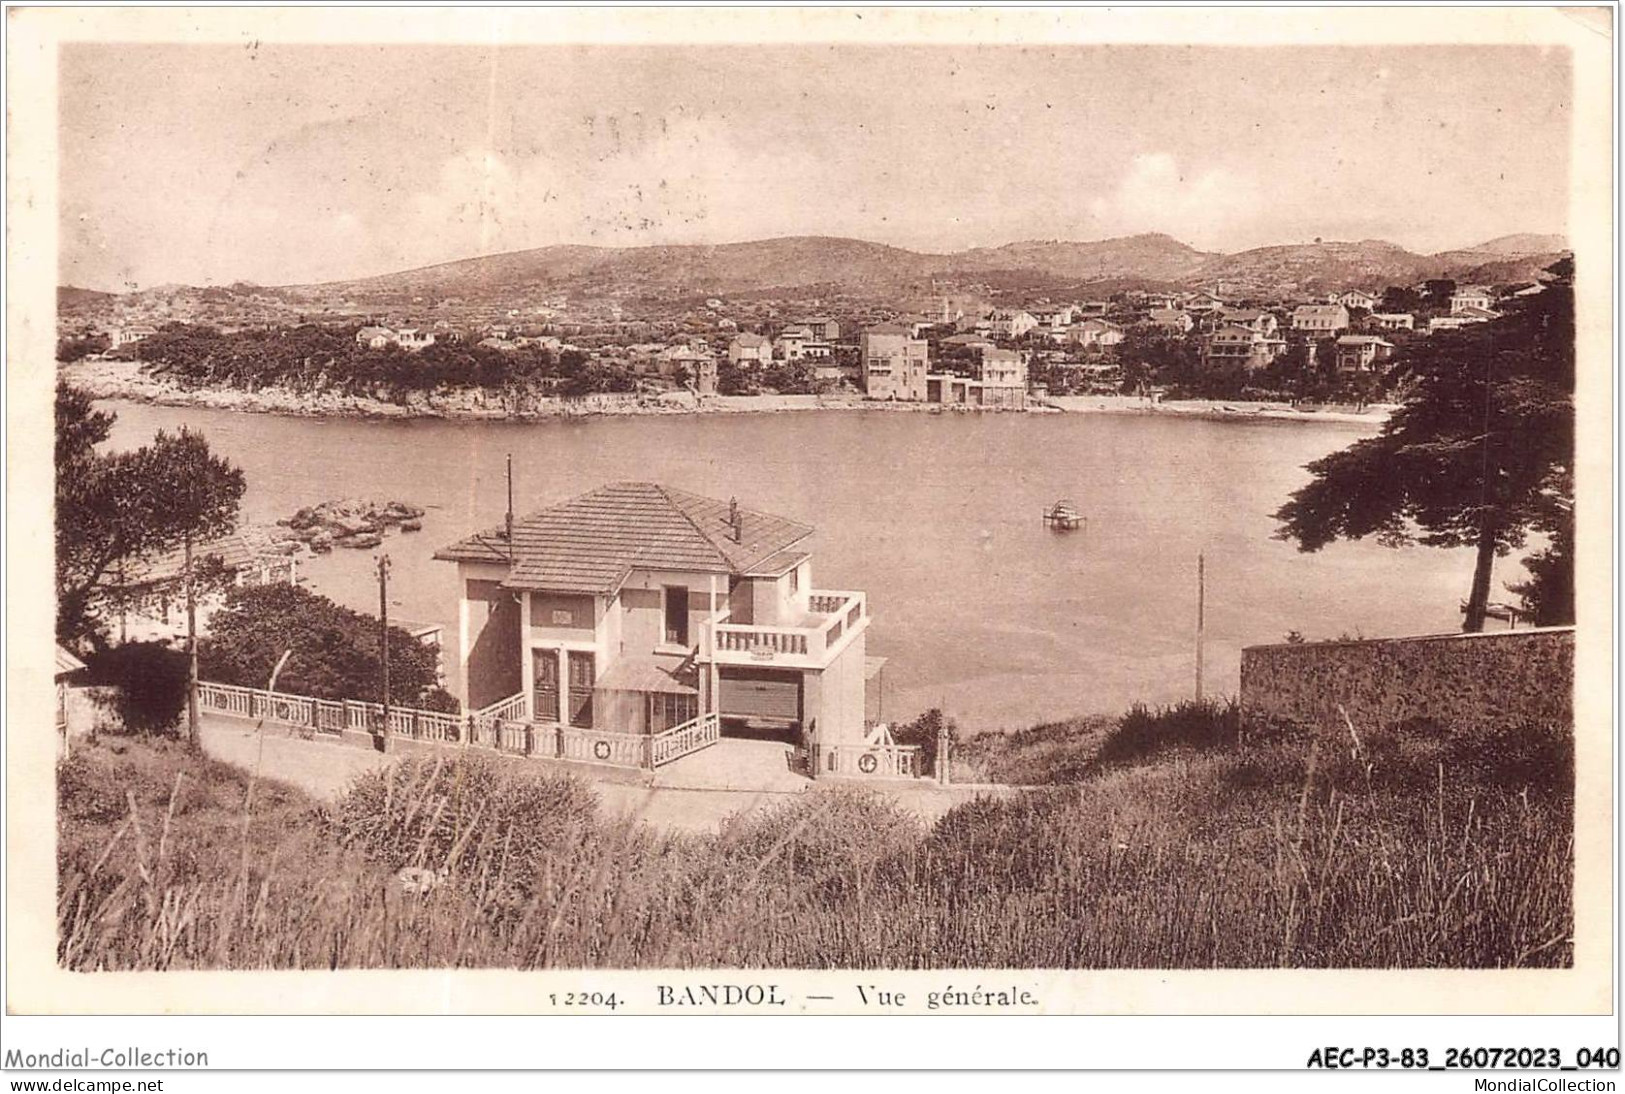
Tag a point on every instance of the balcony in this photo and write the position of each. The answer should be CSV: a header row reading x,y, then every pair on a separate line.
x,y
833,619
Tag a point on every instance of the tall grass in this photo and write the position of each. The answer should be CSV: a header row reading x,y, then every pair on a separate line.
x,y
1180,845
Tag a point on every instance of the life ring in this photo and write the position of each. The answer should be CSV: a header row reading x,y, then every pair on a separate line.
x,y
600,749
867,763
282,710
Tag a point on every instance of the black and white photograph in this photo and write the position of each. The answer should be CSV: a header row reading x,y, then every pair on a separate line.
x,y
1050,505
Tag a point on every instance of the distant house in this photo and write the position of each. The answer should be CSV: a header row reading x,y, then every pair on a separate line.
x,y
750,350
1055,316
1003,373
374,337
1320,318
1354,298
1362,352
148,596
1096,334
823,328
1470,296
1263,322
1012,322
129,336
893,363
1171,320
1203,302
1394,320
1477,315
791,343
1241,346
411,338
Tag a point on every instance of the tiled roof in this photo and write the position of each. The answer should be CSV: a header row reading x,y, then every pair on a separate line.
x,y
590,543
234,550
66,662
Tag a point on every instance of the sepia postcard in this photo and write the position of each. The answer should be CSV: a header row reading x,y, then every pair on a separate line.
x,y
811,512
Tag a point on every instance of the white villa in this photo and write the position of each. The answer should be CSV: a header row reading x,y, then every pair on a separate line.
x,y
636,612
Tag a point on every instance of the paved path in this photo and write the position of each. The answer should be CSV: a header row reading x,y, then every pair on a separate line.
x,y
693,794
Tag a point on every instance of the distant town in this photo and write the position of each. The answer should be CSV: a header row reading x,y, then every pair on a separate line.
x,y
991,342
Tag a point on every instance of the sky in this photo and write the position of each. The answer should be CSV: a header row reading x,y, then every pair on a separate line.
x,y
208,164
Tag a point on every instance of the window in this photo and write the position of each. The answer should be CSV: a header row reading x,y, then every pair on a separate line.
x,y
676,614
795,580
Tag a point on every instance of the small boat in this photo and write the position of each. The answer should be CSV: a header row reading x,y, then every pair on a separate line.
x,y
1064,515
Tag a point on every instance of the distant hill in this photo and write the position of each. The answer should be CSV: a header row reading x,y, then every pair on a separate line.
x,y
1321,266
69,297
1153,257
731,267
856,266
1525,243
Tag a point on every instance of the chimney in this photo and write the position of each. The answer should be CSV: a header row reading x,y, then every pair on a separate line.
x,y
736,521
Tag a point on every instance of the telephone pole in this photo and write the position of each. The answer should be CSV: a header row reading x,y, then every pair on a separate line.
x,y
383,635
1201,618
508,526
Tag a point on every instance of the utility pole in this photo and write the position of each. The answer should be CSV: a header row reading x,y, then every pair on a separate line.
x,y
1201,618
509,525
383,635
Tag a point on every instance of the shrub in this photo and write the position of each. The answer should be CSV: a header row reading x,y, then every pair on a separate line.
x,y
151,680
1143,732
464,814
828,842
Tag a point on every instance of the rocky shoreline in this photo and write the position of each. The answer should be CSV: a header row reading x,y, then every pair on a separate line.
x,y
126,380
351,522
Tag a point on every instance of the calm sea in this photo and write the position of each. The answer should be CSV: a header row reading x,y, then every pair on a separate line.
x,y
978,607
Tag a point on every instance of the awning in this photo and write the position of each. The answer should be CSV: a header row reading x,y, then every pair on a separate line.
x,y
635,675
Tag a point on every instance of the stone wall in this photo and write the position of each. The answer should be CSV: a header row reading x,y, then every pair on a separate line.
x,y
1498,678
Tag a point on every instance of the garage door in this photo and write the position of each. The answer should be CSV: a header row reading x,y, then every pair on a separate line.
x,y
762,696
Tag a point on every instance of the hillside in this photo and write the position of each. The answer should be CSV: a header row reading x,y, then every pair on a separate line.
x,y
1524,243
857,266
791,263
733,267
1152,257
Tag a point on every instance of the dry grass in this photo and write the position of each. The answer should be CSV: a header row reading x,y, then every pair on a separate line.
x,y
1178,845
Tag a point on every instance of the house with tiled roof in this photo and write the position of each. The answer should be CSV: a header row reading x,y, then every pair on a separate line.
x,y
751,349
1239,346
147,594
1320,318
637,609
1362,352
1170,320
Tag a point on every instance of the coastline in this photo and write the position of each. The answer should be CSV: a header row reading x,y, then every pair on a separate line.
x,y
125,380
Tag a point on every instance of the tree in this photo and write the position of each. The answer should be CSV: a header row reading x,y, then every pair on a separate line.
x,y
151,679
73,348
113,508
1478,455
1548,593
335,650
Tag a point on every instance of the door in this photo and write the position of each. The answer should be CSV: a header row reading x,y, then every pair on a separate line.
x,y
760,696
545,699
581,678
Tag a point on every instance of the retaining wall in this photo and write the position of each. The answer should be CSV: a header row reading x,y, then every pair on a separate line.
x,y
1498,678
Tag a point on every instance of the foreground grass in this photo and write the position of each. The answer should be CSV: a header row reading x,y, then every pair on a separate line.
x,y
1177,843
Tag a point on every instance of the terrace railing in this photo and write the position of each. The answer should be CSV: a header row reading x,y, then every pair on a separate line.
x,y
873,760
842,612
679,741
